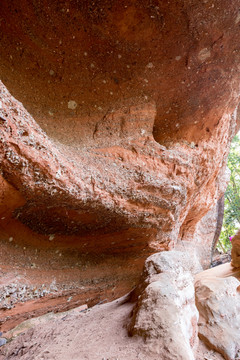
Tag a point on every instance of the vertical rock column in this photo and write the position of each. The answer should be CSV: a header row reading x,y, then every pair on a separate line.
x,y
165,314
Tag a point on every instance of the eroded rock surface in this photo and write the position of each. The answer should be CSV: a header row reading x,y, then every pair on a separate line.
x,y
72,63
165,314
164,317
160,314
118,148
127,80
218,302
137,183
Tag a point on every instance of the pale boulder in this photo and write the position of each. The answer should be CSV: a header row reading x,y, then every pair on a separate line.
x,y
165,314
218,303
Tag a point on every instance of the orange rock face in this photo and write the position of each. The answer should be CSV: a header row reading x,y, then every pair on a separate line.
x,y
236,250
133,106
71,63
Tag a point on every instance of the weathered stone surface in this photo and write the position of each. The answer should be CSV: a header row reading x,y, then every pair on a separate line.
x,y
133,105
96,56
131,184
176,261
198,232
165,314
144,96
198,241
136,193
218,303
100,332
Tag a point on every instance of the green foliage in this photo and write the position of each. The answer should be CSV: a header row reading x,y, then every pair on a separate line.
x,y
231,221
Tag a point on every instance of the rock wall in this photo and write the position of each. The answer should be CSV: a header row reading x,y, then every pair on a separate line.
x,y
118,147
164,316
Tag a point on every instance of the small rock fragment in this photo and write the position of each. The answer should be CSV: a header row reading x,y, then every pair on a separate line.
x,y
3,341
72,104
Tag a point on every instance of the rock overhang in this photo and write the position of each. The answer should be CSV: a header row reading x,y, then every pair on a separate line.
x,y
71,63
133,110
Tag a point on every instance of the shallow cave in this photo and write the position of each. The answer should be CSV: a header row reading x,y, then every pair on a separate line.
x,y
116,120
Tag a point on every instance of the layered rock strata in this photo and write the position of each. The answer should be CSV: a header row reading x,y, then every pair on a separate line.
x,y
160,314
133,107
134,184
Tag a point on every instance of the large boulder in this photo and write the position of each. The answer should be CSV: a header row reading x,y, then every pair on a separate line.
x,y
218,303
165,314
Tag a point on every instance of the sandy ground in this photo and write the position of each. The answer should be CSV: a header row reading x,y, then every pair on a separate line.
x,y
98,333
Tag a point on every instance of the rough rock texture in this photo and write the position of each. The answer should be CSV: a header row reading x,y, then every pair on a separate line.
x,y
133,106
200,239
220,258
218,302
165,314
117,134
201,231
137,183
78,60
155,315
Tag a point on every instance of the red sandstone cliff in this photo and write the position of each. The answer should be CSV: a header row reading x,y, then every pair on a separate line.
x,y
118,145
